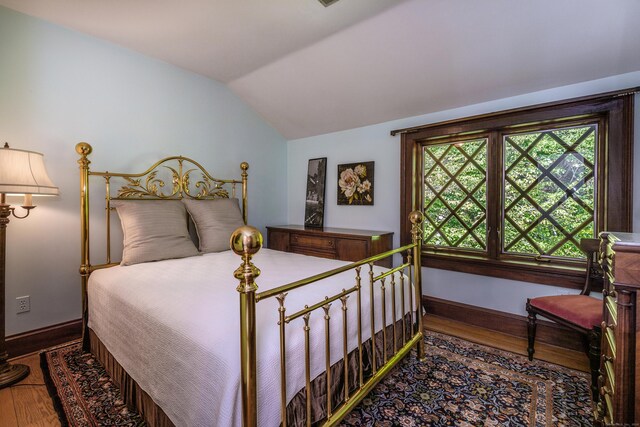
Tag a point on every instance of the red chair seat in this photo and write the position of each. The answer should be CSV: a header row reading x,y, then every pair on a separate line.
x,y
580,310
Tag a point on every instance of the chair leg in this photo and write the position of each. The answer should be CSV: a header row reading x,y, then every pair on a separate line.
x,y
531,331
594,361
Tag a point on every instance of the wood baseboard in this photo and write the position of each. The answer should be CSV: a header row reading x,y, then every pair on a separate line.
x,y
508,323
38,339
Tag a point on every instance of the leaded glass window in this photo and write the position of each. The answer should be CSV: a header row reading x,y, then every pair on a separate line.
x,y
511,194
455,194
549,191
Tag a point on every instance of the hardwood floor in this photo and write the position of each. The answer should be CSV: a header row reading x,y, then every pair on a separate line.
x,y
28,403
549,353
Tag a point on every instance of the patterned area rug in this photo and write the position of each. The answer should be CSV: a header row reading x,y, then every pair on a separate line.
x,y
467,384
82,392
460,383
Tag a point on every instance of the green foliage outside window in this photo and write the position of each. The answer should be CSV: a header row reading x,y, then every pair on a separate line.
x,y
511,194
549,191
455,194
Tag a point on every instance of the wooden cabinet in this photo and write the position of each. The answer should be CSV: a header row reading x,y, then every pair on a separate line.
x,y
619,381
336,243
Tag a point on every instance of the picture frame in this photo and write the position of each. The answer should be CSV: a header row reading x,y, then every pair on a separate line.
x,y
314,201
355,183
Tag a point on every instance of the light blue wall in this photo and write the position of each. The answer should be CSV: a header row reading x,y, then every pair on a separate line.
x,y
375,143
59,87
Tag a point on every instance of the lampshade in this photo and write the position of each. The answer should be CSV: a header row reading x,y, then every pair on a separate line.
x,y
23,172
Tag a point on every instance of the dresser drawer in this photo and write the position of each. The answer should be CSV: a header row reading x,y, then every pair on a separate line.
x,y
310,251
316,242
352,250
336,243
278,240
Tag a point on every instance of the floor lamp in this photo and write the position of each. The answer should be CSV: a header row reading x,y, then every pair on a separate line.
x,y
21,173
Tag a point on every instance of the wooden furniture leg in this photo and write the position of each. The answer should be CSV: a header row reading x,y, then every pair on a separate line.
x,y
531,331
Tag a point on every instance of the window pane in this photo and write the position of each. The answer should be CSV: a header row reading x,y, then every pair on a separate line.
x,y
455,194
549,191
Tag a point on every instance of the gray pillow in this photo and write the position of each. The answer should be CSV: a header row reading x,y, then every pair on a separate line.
x,y
215,221
153,230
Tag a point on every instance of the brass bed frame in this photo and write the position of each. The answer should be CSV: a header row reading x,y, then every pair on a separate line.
x,y
246,241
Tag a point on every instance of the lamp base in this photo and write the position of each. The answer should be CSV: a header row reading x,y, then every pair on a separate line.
x,y
12,373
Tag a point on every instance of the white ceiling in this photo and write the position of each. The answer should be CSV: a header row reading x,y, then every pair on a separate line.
x,y
310,70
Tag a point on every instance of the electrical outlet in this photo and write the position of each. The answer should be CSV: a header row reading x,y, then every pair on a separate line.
x,y
23,304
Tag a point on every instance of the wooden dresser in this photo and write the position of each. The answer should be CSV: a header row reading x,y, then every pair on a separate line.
x,y
619,381
336,243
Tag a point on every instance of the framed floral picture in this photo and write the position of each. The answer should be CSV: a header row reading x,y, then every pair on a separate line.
x,y
314,203
355,184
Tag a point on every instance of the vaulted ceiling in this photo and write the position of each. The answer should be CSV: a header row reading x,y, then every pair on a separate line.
x,y
310,70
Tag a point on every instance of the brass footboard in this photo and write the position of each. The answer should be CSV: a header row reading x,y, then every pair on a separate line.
x,y
246,241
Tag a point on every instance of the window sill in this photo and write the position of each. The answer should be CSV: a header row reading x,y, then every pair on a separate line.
x,y
542,273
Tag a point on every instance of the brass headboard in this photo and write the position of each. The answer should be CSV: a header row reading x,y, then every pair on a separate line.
x,y
171,178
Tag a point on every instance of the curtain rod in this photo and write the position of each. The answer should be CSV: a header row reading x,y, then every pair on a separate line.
x,y
614,94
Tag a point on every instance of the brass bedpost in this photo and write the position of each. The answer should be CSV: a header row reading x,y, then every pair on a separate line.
x,y
246,241
416,218
84,150
244,166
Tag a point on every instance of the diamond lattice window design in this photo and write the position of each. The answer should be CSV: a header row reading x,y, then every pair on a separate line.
x,y
455,194
511,194
549,191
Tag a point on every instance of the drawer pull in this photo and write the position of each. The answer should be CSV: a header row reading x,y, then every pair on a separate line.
x,y
606,359
604,325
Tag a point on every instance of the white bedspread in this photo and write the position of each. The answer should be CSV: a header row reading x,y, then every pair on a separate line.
x,y
174,326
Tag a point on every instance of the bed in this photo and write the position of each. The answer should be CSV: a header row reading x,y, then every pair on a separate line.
x,y
191,340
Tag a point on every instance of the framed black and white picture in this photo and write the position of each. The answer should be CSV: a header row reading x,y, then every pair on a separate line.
x,y
314,205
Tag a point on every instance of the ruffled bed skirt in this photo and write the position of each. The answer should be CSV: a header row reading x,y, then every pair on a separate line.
x,y
133,395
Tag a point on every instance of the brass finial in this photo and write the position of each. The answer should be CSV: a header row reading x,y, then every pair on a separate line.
x,y
83,148
246,241
244,166
416,217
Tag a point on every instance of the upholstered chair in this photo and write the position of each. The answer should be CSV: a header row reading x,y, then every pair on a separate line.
x,y
582,313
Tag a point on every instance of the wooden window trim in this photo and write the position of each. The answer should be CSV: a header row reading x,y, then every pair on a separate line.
x,y
614,213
